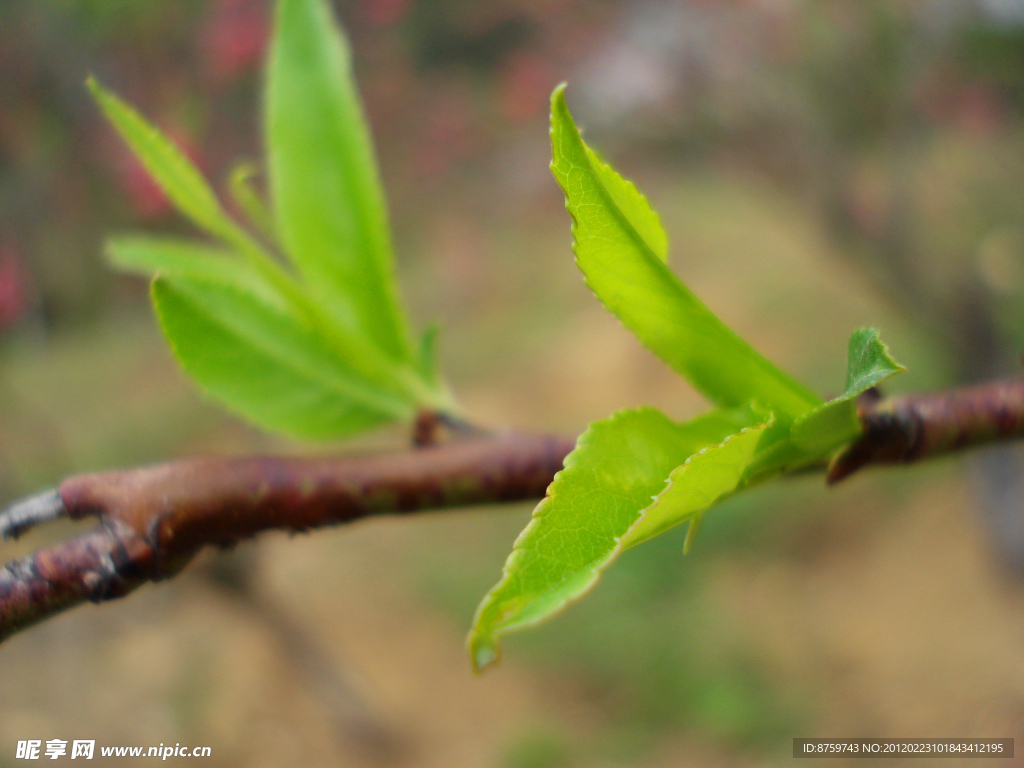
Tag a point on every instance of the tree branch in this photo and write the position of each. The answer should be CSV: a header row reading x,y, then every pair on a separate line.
x,y
910,428
153,520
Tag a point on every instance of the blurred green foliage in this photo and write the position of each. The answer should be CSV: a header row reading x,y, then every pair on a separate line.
x,y
540,747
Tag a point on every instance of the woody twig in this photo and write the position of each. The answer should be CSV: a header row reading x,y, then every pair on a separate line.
x,y
153,520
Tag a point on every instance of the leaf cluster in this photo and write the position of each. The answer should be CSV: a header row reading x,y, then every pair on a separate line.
x,y
294,322
637,473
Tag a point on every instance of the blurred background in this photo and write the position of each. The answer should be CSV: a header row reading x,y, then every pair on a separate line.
x,y
818,166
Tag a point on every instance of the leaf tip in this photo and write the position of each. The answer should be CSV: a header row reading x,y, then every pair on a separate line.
x,y
157,289
483,651
870,358
100,94
559,109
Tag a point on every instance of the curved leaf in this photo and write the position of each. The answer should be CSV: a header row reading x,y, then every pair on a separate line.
x,y
698,483
618,466
620,251
827,427
167,164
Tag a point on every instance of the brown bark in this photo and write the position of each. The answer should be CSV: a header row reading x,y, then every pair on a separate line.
x,y
909,428
153,520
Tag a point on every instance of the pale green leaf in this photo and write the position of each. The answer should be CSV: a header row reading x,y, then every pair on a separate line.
x,y
265,363
328,202
620,252
168,166
827,427
178,257
618,466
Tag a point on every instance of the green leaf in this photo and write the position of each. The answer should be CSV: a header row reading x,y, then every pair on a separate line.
x,y
618,466
216,267
187,188
697,484
338,332
328,202
168,166
868,362
177,257
242,192
827,427
619,247
266,363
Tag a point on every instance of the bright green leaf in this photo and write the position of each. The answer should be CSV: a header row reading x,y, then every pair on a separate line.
x,y
620,249
186,187
216,267
265,363
328,202
168,166
695,485
177,257
827,427
618,466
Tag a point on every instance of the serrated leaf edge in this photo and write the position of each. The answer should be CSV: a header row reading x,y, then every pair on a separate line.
x,y
488,653
670,483
795,390
852,390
